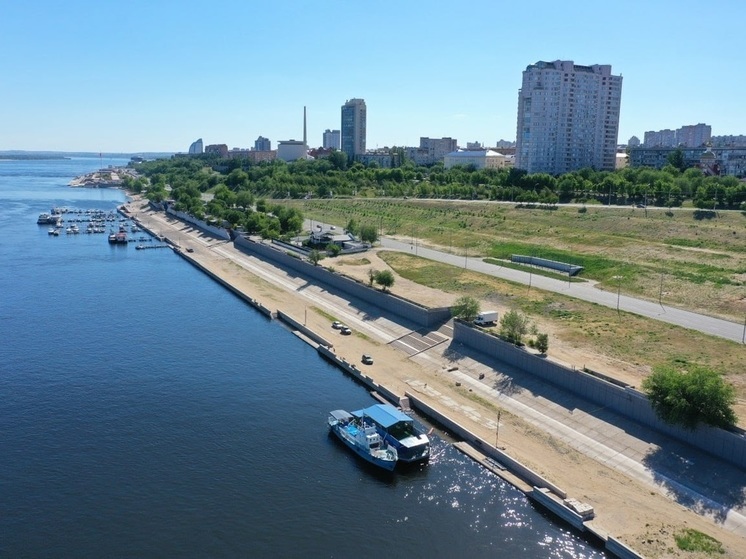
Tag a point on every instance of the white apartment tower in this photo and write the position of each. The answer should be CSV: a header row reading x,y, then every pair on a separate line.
x,y
331,139
568,117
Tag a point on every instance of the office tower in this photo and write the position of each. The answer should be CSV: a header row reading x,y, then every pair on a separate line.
x,y
353,127
568,117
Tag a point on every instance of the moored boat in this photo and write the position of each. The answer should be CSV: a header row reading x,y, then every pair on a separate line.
x,y
398,430
363,438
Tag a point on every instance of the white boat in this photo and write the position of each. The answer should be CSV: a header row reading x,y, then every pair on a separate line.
x,y
363,439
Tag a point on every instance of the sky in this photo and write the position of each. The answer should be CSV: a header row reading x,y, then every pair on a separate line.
x,y
155,75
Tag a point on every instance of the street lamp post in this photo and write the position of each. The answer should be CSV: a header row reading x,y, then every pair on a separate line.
x,y
618,294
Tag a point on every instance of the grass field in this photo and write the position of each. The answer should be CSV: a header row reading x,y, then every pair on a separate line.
x,y
688,258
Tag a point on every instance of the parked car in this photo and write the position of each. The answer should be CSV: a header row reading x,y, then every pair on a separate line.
x,y
345,331
190,249
337,325
367,359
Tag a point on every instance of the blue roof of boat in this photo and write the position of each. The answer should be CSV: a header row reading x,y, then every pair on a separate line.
x,y
385,415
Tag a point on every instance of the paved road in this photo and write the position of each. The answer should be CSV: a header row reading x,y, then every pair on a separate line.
x,y
585,291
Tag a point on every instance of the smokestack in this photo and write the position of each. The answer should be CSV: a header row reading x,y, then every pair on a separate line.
x,y
305,142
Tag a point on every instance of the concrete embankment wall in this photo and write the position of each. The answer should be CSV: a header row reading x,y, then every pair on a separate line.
x,y
387,302
219,232
625,400
310,334
253,302
511,464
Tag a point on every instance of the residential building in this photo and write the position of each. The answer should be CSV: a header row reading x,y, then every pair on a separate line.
x,y
694,135
259,156
217,149
479,159
728,141
691,136
196,148
568,117
660,139
633,142
474,145
353,130
505,144
714,161
383,158
438,148
332,139
262,144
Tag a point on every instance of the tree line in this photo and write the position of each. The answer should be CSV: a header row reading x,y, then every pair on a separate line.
x,y
189,177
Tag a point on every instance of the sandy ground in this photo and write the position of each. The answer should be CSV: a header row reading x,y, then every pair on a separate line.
x,y
625,508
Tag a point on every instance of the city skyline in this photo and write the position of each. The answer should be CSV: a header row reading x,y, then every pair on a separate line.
x,y
88,76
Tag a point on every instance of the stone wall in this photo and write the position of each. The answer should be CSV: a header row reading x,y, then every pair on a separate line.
x,y
625,400
388,303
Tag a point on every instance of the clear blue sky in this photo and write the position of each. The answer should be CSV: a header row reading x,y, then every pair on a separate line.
x,y
156,75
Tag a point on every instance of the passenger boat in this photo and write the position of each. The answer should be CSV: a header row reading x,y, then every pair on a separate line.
x,y
118,238
398,430
362,436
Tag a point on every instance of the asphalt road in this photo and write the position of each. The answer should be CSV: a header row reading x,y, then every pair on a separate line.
x,y
586,291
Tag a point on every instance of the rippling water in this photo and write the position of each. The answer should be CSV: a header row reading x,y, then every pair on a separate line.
x,y
147,412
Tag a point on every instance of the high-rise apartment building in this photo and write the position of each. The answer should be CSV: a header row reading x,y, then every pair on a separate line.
x,y
694,135
353,127
568,117
262,144
332,139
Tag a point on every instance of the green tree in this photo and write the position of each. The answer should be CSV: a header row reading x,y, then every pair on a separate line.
x,y
692,396
542,343
334,250
385,278
368,233
513,326
314,256
466,308
676,159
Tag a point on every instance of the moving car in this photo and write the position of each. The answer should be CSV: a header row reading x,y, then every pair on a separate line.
x,y
345,331
367,359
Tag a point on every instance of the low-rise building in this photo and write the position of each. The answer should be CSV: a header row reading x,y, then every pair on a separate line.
x,y
479,159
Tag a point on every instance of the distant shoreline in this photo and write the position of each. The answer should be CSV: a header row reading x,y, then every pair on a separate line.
x,y
34,157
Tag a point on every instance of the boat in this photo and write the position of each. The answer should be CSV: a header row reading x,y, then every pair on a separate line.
x,y
118,238
362,436
48,219
398,430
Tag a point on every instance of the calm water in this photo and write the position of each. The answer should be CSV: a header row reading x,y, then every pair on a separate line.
x,y
147,412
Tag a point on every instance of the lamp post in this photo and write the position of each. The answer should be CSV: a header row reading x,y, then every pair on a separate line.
x,y
618,294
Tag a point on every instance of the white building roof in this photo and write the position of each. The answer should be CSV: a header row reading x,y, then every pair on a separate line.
x,y
475,153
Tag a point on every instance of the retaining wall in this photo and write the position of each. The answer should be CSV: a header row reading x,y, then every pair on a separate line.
x,y
253,302
485,447
625,400
302,328
219,232
387,302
